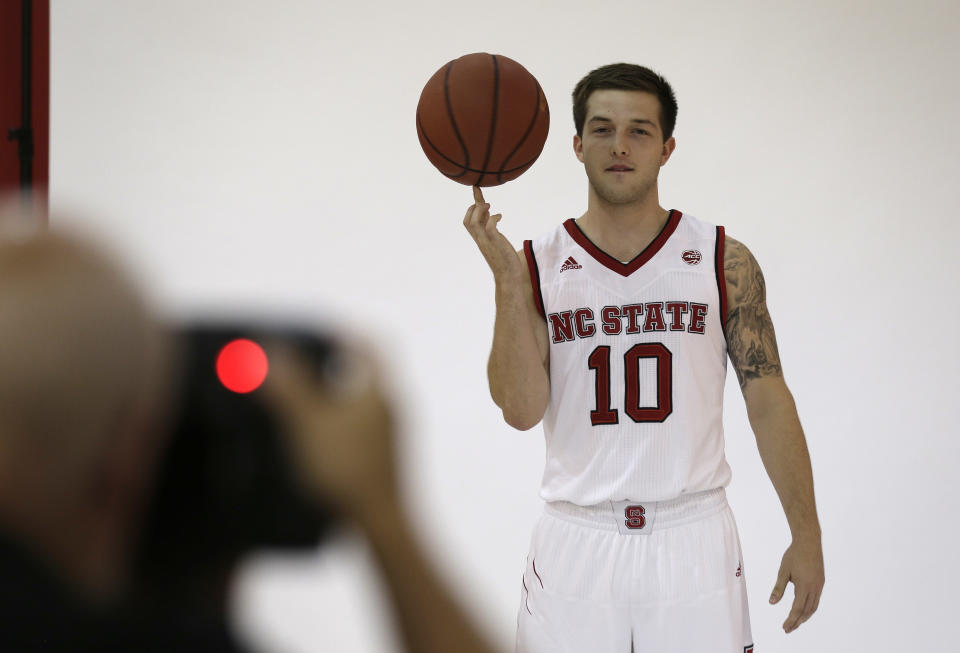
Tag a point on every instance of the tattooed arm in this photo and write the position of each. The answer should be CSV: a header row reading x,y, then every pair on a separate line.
x,y
752,346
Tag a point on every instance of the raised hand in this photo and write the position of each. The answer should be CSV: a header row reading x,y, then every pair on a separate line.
x,y
496,249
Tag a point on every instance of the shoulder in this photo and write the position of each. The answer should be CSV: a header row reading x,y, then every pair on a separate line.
x,y
553,238
738,260
550,249
736,254
744,279
693,224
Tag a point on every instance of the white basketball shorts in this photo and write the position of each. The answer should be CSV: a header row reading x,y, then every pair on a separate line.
x,y
660,577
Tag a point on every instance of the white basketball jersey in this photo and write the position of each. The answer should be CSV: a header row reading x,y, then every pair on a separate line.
x,y
638,361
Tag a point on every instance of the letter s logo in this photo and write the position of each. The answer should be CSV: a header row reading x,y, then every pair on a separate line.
x,y
635,516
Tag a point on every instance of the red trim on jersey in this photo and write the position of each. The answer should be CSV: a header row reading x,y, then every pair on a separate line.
x,y
625,269
721,279
534,277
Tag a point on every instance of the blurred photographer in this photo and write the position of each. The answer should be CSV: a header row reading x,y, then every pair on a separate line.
x,y
87,381
83,378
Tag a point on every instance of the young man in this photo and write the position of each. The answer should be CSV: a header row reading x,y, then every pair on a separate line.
x,y
615,329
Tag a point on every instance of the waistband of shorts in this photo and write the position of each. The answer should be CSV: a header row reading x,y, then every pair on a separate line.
x,y
672,512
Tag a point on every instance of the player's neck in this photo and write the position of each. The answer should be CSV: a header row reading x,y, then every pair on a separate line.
x,y
623,230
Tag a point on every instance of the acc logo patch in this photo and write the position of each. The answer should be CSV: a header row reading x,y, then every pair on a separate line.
x,y
691,257
748,649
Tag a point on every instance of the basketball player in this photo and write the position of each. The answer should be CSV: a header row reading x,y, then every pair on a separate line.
x,y
614,329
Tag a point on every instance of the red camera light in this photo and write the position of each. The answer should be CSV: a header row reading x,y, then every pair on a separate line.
x,y
242,365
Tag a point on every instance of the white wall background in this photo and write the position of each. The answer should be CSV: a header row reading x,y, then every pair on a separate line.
x,y
252,155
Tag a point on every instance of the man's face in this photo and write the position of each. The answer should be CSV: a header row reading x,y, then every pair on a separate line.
x,y
622,131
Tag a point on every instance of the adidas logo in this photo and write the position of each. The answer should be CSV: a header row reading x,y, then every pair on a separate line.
x,y
570,264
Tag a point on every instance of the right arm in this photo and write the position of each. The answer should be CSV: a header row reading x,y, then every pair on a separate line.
x,y
518,368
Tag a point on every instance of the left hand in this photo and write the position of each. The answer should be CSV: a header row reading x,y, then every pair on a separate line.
x,y
802,565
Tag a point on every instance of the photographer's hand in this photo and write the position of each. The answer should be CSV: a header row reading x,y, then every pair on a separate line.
x,y
341,442
340,434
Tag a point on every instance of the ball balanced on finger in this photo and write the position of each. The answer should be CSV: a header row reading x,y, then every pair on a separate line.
x,y
482,119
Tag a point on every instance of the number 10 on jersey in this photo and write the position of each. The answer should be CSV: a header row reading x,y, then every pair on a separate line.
x,y
599,362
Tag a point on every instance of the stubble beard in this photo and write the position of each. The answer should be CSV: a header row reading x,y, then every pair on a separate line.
x,y
616,194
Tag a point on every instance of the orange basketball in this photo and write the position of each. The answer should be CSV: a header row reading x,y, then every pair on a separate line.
x,y
482,119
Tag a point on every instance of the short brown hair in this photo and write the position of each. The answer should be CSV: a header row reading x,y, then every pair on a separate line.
x,y
626,77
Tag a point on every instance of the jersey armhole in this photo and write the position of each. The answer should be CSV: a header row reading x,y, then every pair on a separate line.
x,y
721,278
534,277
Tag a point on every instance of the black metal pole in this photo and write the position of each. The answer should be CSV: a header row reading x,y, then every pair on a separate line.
x,y
26,98
24,133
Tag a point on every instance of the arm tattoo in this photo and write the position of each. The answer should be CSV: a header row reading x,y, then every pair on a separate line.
x,y
751,342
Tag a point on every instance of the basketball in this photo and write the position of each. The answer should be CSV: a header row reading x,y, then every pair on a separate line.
x,y
482,119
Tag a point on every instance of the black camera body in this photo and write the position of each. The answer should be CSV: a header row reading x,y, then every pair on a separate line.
x,y
224,486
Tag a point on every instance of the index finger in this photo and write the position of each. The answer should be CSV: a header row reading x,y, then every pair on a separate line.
x,y
793,619
477,195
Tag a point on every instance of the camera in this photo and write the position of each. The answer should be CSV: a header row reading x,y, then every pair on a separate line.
x,y
224,485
